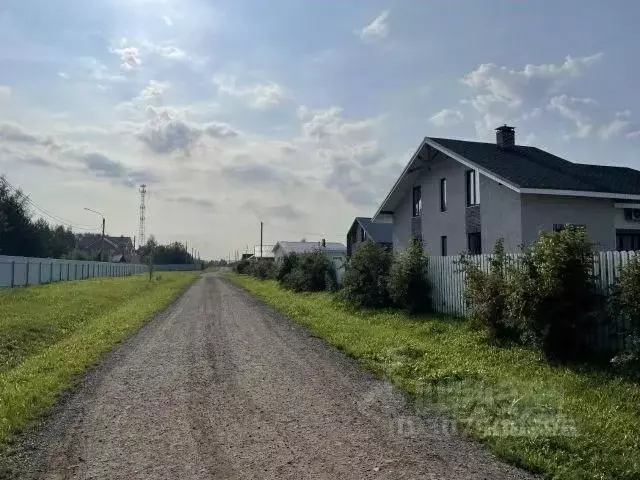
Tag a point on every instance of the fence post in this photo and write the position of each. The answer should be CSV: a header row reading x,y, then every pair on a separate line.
x,y
51,272
39,273
13,272
26,280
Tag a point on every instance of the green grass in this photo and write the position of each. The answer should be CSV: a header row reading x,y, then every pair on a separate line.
x,y
50,334
568,423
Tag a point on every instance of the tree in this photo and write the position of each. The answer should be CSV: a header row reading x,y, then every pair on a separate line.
x,y
366,276
408,284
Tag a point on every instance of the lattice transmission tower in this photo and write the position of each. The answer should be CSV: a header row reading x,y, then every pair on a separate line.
x,y
143,213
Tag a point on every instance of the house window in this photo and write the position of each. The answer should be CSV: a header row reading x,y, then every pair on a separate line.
x,y
474,243
627,241
443,245
417,201
472,192
443,194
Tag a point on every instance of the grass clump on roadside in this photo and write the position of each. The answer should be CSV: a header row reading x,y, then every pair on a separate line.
x,y
50,334
565,422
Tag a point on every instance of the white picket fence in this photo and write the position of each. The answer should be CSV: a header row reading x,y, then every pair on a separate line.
x,y
447,283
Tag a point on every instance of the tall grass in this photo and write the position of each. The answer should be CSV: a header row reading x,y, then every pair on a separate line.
x,y
565,422
50,334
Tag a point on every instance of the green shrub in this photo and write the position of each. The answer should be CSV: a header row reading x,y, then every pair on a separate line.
x,y
262,268
313,272
552,299
408,285
366,277
625,308
286,266
486,293
242,266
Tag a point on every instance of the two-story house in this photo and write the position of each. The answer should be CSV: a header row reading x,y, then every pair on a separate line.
x,y
460,196
363,229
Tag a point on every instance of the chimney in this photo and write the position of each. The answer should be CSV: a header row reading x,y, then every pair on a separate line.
x,y
324,243
506,136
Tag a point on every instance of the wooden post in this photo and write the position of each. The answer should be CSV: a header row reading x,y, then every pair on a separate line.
x,y
13,272
26,280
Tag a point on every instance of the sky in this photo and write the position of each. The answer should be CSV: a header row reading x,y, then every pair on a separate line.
x,y
297,113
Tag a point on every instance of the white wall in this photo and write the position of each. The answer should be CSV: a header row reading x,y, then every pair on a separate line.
x,y
500,216
541,212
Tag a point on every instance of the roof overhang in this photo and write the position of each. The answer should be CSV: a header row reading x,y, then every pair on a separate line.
x,y
385,211
578,193
386,208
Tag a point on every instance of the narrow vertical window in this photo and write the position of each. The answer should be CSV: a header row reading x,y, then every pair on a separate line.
x,y
472,192
417,201
474,243
443,245
443,194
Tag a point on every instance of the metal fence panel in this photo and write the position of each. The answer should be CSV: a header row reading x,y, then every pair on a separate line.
x,y
447,289
24,271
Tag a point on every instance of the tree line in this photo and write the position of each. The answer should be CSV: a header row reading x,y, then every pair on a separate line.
x,y
22,235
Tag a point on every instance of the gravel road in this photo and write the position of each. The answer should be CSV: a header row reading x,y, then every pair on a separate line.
x,y
219,386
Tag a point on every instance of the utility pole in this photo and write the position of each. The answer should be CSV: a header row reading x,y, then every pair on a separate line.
x,y
103,223
143,214
261,228
102,239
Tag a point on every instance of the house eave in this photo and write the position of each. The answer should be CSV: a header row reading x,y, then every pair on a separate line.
x,y
578,193
384,207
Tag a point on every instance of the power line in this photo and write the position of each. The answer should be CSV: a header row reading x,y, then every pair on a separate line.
x,y
44,211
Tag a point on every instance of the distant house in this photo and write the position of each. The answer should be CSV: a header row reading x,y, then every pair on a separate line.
x,y
332,249
267,251
116,249
336,251
457,195
363,229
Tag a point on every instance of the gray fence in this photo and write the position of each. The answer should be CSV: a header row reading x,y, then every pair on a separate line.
x,y
23,271
447,281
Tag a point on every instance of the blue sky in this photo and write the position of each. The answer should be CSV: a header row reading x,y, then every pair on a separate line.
x,y
297,113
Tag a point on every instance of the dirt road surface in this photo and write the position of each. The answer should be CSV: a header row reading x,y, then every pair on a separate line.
x,y
221,387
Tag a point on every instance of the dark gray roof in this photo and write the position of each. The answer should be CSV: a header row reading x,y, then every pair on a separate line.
x,y
530,167
379,232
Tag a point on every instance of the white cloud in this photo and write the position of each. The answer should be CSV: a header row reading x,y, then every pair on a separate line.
x,y
258,95
623,114
378,29
614,128
565,106
634,134
130,57
168,132
507,95
63,75
447,117
153,93
166,50
5,93
167,20
323,123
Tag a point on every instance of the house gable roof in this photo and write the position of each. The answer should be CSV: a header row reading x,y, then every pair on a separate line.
x,y
531,167
379,232
524,169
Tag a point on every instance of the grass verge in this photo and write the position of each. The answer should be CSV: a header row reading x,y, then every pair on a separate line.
x,y
50,334
565,422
